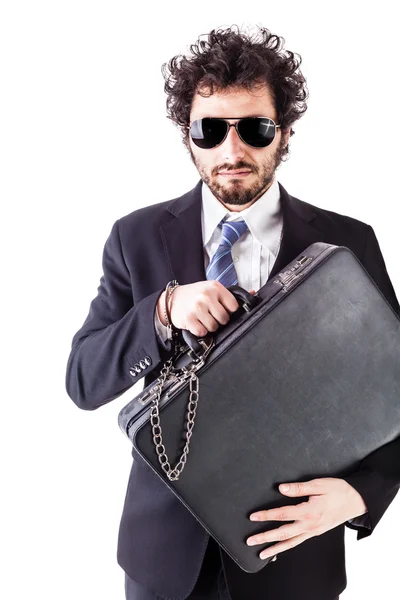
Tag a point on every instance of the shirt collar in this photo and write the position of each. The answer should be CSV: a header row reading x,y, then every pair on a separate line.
x,y
262,217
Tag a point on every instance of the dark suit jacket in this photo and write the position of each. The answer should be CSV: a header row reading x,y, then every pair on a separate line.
x,y
161,545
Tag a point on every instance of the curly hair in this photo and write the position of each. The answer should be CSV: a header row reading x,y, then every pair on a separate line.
x,y
229,58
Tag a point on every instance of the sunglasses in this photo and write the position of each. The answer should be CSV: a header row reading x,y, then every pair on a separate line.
x,y
210,132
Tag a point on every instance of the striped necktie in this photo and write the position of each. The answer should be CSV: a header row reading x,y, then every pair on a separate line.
x,y
221,265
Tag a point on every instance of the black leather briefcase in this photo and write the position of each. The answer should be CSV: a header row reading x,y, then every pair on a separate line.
x,y
302,382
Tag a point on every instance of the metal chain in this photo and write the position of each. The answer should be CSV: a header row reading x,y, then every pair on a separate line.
x,y
173,474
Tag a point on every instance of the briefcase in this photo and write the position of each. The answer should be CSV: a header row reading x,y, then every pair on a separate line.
x,y
303,382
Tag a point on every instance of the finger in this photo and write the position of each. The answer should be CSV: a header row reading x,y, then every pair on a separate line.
x,y
202,319
282,513
227,299
282,546
219,313
279,534
303,488
195,326
200,322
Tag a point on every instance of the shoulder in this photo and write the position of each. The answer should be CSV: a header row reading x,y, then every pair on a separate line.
x,y
148,220
331,217
332,222
146,214
143,223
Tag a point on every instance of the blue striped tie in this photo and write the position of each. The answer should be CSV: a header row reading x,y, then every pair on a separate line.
x,y
221,265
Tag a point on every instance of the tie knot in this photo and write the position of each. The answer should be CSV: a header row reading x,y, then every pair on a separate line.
x,y
232,230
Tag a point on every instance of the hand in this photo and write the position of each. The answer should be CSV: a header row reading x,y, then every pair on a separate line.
x,y
200,307
332,502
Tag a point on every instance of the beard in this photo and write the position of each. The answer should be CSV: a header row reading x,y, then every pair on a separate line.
x,y
238,192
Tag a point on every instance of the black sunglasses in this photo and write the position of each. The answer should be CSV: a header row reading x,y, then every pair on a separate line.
x,y
210,132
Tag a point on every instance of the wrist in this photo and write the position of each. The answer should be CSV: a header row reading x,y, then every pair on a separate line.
x,y
160,308
169,289
357,503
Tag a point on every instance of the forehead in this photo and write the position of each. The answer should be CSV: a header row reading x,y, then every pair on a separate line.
x,y
234,102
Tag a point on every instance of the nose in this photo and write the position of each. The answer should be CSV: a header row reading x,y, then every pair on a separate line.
x,y
232,147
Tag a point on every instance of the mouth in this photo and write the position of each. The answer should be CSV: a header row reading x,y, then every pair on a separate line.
x,y
234,173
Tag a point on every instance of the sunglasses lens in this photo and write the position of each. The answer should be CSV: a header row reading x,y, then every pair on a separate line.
x,y
207,133
257,132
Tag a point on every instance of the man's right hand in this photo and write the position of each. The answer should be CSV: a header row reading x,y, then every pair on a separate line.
x,y
199,307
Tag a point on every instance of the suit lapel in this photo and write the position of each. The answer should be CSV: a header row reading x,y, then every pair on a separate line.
x,y
298,233
183,244
182,237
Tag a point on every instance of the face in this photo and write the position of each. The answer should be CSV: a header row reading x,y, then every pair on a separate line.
x,y
237,192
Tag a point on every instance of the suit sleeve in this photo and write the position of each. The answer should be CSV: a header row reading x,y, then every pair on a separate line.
x,y
374,263
361,521
118,343
378,476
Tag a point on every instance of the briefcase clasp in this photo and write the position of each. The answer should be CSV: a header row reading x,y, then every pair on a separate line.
x,y
288,277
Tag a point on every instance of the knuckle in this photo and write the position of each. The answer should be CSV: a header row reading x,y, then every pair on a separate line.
x,y
282,536
213,283
198,304
203,297
213,288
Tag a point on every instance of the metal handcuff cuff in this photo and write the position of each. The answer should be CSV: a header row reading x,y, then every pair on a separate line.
x,y
173,335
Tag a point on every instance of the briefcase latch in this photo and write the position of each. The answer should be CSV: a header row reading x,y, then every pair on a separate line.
x,y
288,277
188,360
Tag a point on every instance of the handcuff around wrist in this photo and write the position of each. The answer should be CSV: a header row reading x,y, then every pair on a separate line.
x,y
172,331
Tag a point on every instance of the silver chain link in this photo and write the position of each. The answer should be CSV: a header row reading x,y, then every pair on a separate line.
x,y
173,474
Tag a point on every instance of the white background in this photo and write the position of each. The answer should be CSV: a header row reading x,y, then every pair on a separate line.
x,y
85,140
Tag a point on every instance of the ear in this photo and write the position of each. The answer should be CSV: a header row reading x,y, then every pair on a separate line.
x,y
286,136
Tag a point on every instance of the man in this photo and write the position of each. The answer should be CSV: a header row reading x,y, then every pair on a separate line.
x,y
238,224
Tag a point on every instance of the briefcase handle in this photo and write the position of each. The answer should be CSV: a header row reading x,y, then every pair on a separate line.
x,y
246,301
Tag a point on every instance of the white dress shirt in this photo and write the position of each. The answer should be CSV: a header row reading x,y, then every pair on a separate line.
x,y
254,253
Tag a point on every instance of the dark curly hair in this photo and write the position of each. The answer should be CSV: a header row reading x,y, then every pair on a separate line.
x,y
230,58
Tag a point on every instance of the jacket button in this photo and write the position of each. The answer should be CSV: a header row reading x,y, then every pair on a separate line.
x,y
132,372
142,364
147,360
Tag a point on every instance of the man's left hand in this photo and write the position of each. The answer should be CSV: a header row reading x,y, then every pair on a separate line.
x,y
331,502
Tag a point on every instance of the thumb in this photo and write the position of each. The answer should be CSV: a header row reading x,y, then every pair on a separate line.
x,y
252,292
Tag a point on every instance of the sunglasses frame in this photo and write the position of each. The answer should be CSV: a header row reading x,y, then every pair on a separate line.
x,y
235,125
